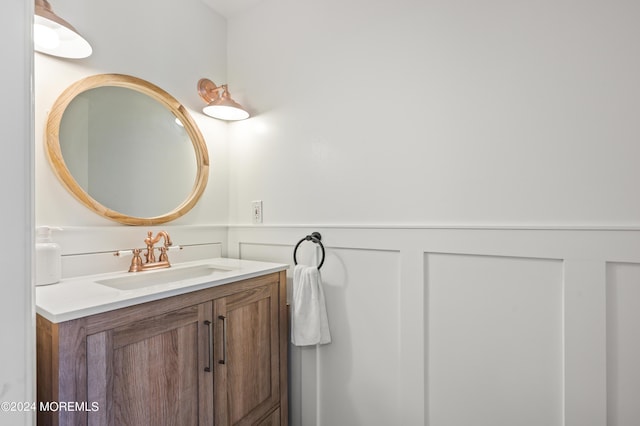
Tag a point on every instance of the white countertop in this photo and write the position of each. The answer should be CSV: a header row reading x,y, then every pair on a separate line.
x,y
82,296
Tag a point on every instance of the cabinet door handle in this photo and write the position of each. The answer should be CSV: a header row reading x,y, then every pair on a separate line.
x,y
224,339
208,324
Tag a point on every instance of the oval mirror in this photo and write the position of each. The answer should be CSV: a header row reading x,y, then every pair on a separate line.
x,y
127,149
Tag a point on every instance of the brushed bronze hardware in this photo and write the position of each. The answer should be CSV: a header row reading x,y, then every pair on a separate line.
x,y
208,324
150,262
220,105
224,339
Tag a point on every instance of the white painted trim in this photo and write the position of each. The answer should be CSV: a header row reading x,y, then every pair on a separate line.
x,y
497,227
585,343
17,310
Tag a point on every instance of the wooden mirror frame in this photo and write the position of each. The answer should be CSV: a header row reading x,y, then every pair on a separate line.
x,y
54,151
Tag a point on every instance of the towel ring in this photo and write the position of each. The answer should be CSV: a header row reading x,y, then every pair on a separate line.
x,y
314,237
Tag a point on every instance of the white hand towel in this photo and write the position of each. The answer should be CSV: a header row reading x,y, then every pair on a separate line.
x,y
309,322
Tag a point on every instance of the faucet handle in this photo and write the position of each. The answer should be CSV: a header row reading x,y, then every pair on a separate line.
x,y
136,261
163,255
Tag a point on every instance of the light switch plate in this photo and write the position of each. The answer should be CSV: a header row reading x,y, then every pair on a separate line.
x,y
256,211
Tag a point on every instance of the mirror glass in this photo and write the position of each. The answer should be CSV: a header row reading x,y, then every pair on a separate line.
x,y
127,149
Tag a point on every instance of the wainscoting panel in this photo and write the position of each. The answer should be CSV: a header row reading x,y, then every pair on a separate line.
x,y
494,327
363,306
623,344
446,326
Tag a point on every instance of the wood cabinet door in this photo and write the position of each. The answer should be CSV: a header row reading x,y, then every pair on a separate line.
x,y
153,371
247,366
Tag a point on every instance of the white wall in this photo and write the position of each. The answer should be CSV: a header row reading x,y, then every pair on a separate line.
x,y
17,369
172,45
472,167
423,112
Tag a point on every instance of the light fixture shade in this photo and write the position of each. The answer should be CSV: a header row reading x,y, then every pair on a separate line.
x,y
55,36
225,110
220,106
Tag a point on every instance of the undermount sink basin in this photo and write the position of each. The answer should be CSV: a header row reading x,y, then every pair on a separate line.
x,y
162,276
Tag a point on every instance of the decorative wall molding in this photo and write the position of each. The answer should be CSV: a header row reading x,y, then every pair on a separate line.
x,y
577,383
562,298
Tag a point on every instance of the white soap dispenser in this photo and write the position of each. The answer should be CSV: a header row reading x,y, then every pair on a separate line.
x,y
48,257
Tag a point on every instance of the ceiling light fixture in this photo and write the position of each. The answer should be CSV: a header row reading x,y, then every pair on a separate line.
x,y
220,106
55,36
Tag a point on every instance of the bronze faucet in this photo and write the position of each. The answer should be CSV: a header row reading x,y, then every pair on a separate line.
x,y
150,258
149,241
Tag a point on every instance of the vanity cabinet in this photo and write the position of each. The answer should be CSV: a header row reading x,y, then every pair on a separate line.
x,y
248,366
213,356
151,369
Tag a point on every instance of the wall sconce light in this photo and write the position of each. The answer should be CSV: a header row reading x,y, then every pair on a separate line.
x,y
55,36
220,106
